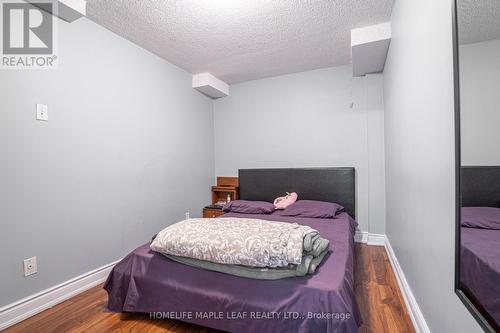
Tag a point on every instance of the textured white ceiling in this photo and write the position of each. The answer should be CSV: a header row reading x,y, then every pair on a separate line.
x,y
478,20
241,40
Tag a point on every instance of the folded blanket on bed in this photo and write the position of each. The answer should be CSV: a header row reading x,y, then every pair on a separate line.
x,y
252,243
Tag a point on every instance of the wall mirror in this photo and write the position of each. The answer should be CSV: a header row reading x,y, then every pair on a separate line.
x,y
477,105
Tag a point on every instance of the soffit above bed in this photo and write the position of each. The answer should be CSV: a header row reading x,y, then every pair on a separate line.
x,y
241,40
369,48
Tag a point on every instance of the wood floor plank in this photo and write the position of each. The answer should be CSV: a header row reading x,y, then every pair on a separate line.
x,y
375,285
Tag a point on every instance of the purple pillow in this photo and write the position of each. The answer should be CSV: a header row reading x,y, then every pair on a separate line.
x,y
249,207
481,217
312,208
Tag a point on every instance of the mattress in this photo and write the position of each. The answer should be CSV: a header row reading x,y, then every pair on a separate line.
x,y
148,282
480,268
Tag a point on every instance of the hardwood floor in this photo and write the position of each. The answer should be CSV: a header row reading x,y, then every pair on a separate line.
x,y
377,291
379,297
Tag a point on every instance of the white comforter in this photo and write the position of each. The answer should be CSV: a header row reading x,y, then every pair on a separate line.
x,y
240,241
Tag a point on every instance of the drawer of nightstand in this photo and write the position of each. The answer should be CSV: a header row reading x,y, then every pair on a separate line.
x,y
211,213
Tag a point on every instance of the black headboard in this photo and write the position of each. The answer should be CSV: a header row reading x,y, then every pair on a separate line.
x,y
324,184
480,186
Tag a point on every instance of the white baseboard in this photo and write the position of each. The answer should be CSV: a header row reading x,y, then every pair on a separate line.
x,y
369,238
376,239
416,314
13,313
361,236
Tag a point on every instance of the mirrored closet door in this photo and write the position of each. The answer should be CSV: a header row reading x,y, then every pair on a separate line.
x,y
477,88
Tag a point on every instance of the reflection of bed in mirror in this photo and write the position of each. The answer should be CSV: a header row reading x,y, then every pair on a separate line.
x,y
480,238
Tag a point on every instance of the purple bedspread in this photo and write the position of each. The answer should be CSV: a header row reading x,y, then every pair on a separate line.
x,y
480,267
145,281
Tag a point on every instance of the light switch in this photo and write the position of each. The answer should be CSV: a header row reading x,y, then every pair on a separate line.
x,y
42,112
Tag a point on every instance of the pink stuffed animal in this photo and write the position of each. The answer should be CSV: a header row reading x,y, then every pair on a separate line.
x,y
283,202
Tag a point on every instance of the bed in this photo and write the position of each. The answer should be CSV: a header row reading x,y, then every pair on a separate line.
x,y
480,246
145,281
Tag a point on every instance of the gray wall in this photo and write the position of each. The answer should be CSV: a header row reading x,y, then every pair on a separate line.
x,y
127,150
304,120
480,100
419,142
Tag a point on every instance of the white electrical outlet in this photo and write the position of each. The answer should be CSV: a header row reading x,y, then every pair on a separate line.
x,y
30,266
42,112
187,215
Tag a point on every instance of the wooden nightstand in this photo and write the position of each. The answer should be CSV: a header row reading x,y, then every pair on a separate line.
x,y
212,212
226,187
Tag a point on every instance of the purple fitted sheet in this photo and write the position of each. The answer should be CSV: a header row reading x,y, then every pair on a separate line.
x,y
480,267
145,281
